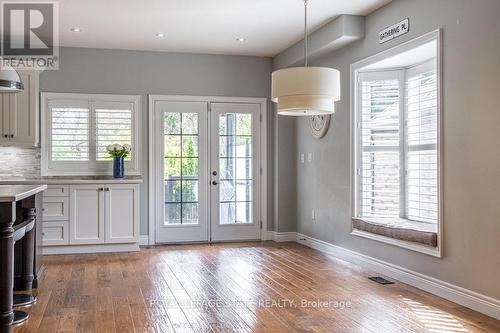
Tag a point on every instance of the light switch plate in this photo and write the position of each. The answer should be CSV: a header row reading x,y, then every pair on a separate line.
x,y
309,157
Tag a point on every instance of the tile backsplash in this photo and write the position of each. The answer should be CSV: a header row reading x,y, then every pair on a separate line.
x,y
17,162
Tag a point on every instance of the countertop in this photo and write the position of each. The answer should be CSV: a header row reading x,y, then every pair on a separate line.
x,y
13,193
71,180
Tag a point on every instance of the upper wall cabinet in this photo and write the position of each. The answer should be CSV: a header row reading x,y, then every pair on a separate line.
x,y
19,114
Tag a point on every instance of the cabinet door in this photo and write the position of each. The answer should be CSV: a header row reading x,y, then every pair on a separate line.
x,y
122,213
5,104
86,222
24,116
55,233
55,208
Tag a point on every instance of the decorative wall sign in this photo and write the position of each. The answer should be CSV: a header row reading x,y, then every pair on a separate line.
x,y
319,125
394,31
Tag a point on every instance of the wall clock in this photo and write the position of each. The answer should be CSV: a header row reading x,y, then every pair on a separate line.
x,y
319,125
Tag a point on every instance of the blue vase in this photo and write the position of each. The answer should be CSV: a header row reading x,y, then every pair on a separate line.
x,y
118,167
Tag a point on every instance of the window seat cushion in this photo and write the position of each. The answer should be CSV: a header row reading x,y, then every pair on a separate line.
x,y
423,233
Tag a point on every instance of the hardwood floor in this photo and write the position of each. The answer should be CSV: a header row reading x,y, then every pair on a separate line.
x,y
246,287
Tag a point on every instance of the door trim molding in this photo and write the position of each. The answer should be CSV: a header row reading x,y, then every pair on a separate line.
x,y
152,158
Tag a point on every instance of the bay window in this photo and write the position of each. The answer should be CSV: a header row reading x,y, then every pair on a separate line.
x,y
396,145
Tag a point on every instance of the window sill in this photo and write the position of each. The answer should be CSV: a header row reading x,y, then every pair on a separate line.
x,y
86,172
411,226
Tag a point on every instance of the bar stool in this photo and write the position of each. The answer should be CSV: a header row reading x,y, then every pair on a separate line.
x,y
20,230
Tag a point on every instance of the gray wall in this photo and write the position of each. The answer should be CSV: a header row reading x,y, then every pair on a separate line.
x,y
134,72
285,172
471,116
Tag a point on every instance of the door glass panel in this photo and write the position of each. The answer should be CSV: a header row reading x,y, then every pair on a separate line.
x,y
189,213
172,213
244,124
227,193
243,212
226,169
244,190
226,213
190,145
181,168
235,168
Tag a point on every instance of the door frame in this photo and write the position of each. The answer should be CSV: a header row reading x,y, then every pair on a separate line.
x,y
152,159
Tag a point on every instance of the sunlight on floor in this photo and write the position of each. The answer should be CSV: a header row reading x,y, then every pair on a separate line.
x,y
433,319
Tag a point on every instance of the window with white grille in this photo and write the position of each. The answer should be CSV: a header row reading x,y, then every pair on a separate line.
x,y
113,124
421,140
78,128
70,133
396,144
379,136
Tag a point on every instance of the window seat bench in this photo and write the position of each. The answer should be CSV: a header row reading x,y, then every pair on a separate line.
x,y
406,230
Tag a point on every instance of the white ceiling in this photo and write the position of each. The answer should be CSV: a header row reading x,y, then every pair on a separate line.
x,y
198,26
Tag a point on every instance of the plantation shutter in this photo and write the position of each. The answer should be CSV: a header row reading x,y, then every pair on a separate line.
x,y
379,145
113,124
79,127
421,139
69,131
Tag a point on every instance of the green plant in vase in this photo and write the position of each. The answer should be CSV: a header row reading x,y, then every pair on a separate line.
x,y
119,153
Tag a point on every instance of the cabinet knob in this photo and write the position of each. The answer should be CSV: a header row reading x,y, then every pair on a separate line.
x,y
12,135
5,136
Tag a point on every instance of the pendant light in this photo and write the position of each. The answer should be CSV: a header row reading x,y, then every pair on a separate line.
x,y
10,82
305,91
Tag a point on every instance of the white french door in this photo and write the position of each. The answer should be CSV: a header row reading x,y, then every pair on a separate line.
x,y
207,165
182,178
235,171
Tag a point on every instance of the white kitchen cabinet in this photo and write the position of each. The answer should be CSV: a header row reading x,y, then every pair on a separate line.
x,y
55,208
86,221
55,233
19,121
121,213
104,214
56,191
55,219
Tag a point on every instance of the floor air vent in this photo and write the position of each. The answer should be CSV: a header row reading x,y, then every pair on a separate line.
x,y
380,280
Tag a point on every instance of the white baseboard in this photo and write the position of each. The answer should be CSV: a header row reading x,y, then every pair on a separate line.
x,y
143,240
76,249
282,236
468,298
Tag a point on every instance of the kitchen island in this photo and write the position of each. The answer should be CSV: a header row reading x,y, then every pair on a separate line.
x,y
19,204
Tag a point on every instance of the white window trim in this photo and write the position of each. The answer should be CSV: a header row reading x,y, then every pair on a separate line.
x,y
355,69
132,168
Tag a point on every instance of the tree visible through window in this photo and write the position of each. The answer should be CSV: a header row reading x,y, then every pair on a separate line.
x,y
181,167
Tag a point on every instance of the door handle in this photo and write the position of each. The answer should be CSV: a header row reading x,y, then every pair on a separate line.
x,y
215,182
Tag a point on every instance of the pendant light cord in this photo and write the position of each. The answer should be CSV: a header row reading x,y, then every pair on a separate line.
x,y
305,32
